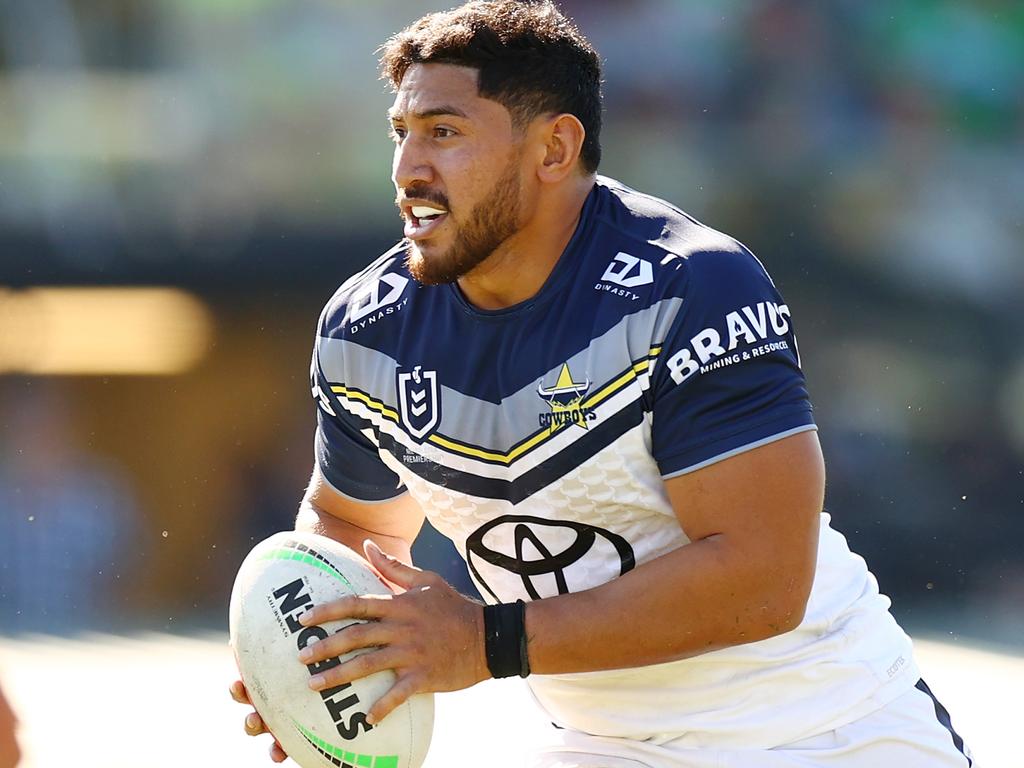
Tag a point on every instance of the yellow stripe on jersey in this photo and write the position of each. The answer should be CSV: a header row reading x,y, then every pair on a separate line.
x,y
614,386
481,453
369,402
510,456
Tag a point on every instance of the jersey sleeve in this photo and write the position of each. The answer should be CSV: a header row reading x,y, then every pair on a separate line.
x,y
728,378
347,458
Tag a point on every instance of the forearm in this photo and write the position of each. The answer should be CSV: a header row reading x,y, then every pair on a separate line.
x,y
317,520
702,597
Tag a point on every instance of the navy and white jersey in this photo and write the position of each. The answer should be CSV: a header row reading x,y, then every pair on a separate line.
x,y
538,438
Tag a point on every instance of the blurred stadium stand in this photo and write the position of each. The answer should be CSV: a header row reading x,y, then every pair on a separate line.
x,y
870,153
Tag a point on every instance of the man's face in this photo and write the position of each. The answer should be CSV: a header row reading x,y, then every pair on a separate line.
x,y
457,171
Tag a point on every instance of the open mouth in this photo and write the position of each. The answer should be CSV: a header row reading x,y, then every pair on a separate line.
x,y
422,220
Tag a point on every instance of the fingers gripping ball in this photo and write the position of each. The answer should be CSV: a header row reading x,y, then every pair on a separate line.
x,y
281,578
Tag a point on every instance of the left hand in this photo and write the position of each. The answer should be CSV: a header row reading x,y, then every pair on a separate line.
x,y
254,724
429,634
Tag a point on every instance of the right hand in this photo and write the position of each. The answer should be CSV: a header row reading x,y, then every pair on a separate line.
x,y
254,725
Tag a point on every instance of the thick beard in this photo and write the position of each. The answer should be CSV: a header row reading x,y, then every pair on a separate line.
x,y
491,222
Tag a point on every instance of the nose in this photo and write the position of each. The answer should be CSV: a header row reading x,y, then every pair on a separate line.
x,y
411,164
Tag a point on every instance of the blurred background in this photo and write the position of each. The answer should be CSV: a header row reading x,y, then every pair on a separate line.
x,y
184,183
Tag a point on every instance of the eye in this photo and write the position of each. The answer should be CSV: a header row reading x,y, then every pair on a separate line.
x,y
443,132
397,133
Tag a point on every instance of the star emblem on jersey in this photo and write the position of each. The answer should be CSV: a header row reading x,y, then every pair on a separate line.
x,y
418,401
566,401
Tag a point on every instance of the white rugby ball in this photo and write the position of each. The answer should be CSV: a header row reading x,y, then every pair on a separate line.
x,y
281,578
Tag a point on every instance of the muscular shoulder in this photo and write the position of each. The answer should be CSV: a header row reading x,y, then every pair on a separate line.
x,y
682,255
674,277
377,292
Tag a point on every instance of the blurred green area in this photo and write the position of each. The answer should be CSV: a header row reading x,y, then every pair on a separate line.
x,y
870,153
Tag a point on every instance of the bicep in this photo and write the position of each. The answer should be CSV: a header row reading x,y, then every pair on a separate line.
x,y
763,505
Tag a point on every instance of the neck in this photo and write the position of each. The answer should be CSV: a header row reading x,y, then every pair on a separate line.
x,y
518,269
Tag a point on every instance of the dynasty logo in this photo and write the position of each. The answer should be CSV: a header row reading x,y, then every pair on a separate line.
x,y
566,401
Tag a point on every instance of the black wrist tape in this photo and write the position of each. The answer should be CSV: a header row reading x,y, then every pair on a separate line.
x,y
505,639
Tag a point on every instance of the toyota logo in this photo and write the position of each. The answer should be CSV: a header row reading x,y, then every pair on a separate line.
x,y
545,553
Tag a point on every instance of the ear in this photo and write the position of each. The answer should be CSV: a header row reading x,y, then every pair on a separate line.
x,y
563,141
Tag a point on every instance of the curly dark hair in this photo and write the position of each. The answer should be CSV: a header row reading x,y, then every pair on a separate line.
x,y
532,60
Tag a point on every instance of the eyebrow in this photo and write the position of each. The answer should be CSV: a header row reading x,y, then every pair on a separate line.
x,y
445,110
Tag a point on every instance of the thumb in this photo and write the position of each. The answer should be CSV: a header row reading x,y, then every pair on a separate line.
x,y
391,568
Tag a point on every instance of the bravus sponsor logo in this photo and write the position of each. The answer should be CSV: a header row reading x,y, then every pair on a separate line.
x,y
715,348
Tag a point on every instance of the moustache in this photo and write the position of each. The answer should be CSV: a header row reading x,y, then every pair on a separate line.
x,y
425,194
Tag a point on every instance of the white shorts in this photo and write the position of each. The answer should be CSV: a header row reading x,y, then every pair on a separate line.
x,y
913,731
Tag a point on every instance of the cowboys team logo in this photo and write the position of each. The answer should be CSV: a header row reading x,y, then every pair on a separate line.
x,y
419,402
543,558
566,401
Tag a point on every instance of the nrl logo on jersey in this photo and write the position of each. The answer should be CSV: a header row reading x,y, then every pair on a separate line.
x,y
566,401
624,273
419,402
376,301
